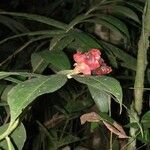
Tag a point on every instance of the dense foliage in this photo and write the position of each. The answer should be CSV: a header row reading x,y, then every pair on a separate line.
x,y
65,63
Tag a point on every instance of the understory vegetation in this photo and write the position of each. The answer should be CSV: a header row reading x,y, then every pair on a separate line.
x,y
74,74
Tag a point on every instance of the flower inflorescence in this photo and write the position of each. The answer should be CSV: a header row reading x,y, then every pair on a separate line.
x,y
90,63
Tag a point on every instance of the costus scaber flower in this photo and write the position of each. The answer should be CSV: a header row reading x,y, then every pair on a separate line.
x,y
90,63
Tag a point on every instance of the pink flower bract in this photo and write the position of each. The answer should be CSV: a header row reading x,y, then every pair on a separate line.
x,y
90,62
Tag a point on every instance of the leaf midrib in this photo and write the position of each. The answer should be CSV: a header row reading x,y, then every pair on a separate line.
x,y
21,106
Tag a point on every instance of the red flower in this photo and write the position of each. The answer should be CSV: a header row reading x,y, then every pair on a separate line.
x,y
90,62
79,57
104,69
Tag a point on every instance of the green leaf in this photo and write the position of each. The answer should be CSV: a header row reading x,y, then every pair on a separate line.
x,y
50,33
146,120
127,60
38,65
104,23
112,59
135,5
93,126
86,40
58,59
15,26
101,98
4,74
105,117
18,136
122,28
125,11
5,92
63,43
37,18
146,136
77,20
103,83
24,93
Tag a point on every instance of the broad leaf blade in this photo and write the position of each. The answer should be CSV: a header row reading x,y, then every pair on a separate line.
x,y
24,93
103,83
58,59
101,99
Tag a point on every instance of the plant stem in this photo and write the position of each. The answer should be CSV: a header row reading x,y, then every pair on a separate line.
x,y
10,146
110,141
142,59
143,45
9,130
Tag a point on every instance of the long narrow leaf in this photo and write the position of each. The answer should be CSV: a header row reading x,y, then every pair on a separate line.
x,y
125,11
116,23
37,18
34,33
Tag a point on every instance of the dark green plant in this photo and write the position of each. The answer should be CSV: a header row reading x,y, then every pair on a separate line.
x,y
35,62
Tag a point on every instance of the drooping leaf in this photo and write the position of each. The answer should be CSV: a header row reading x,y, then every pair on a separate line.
x,y
89,117
125,11
37,18
135,5
101,99
111,125
50,33
24,93
122,28
104,23
58,59
15,26
18,136
116,129
103,83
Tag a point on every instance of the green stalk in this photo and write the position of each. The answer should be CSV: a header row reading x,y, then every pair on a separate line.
x,y
142,59
143,46
10,129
